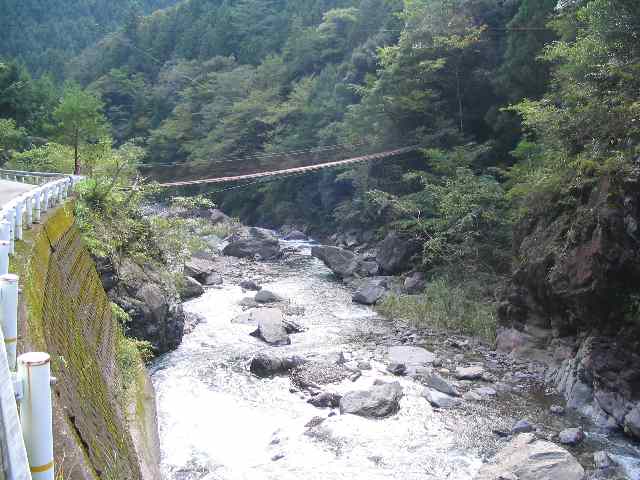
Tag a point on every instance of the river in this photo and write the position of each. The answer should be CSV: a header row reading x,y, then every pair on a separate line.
x,y
217,421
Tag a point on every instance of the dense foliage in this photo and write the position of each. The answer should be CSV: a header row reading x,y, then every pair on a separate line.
x,y
46,35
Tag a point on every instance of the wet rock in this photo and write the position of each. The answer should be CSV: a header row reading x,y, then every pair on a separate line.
x,y
557,409
632,422
342,263
315,373
249,285
485,392
368,268
363,365
264,365
213,279
528,458
325,400
248,302
190,288
199,268
440,400
397,368
369,293
522,426
253,242
410,356
271,327
314,422
394,253
296,235
436,382
469,373
355,376
292,327
602,461
276,457
571,436
266,296
471,396
414,283
381,400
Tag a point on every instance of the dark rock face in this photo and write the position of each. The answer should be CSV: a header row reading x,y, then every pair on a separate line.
x,y
578,262
199,268
266,296
342,263
253,242
382,400
250,285
394,253
325,400
151,301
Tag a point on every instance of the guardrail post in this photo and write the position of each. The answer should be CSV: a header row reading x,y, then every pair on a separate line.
x,y
11,218
9,315
5,246
19,213
34,371
37,206
45,200
28,211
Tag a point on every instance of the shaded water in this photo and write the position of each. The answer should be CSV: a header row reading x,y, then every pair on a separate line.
x,y
219,422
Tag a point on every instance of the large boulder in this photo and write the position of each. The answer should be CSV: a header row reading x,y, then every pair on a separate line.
x,y
271,327
200,268
412,357
296,235
527,458
266,365
341,262
369,293
190,288
414,283
253,242
267,296
152,303
438,399
395,252
381,400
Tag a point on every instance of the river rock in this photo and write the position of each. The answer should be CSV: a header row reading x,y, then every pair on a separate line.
x,y
199,268
571,436
469,373
190,288
436,382
265,365
381,400
296,235
602,461
315,373
438,399
522,426
527,458
368,268
271,327
253,242
325,400
397,368
250,285
342,263
369,293
414,283
410,356
394,253
213,279
266,296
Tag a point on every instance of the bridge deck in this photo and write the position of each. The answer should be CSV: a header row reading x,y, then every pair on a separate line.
x,y
288,171
10,190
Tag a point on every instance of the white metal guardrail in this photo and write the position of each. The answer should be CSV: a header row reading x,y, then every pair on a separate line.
x,y
26,426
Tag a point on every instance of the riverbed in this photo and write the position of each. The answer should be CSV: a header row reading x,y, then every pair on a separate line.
x,y
217,421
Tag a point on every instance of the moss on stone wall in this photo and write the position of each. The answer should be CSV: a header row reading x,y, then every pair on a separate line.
x,y
69,316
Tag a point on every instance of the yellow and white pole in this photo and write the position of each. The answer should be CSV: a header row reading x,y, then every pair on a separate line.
x,y
9,316
34,371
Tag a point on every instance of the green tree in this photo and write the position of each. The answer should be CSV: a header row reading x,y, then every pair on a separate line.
x,y
80,120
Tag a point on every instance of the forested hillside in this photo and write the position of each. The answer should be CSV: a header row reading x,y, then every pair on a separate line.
x,y
45,35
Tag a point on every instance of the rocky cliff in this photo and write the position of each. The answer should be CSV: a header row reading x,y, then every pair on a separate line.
x,y
574,295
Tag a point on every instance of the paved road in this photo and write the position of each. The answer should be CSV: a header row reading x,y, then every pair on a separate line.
x,y
9,190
